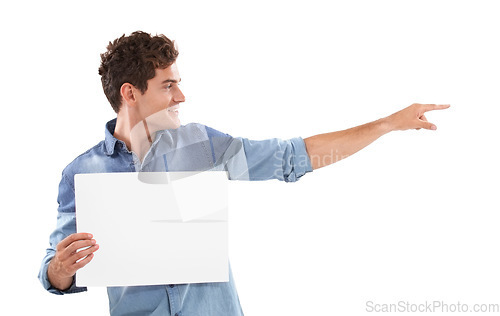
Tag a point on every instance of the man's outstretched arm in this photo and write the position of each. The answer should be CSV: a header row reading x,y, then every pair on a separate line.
x,y
325,149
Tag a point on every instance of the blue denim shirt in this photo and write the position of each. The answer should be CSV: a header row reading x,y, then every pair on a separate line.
x,y
191,147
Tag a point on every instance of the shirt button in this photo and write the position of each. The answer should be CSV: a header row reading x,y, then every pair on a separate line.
x,y
176,314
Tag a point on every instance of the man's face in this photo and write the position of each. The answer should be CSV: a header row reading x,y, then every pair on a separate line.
x,y
162,98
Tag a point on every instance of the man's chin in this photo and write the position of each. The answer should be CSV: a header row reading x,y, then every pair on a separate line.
x,y
162,120
176,125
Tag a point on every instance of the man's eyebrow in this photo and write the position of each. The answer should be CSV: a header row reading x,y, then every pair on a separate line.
x,y
171,80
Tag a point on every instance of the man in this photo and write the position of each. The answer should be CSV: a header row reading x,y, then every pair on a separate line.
x,y
141,81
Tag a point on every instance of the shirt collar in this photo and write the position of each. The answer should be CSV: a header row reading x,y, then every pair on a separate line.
x,y
109,139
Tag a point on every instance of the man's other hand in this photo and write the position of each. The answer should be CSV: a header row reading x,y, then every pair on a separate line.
x,y
69,259
413,117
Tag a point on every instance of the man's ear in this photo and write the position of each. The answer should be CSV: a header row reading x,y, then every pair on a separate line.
x,y
127,92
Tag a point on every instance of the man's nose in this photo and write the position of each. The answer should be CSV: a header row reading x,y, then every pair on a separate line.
x,y
179,96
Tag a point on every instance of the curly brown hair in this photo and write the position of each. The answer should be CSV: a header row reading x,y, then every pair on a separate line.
x,y
134,59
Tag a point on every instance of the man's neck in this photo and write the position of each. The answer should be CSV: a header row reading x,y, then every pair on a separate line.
x,y
122,131
138,132
133,133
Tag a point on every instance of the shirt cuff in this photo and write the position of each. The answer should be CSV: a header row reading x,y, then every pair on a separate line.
x,y
44,279
299,160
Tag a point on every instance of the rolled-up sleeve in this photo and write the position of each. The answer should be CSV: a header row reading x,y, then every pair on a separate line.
x,y
255,160
66,225
285,160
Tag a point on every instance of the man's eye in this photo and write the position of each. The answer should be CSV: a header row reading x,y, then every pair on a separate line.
x,y
169,86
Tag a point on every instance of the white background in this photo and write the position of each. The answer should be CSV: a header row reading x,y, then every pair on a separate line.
x,y
412,217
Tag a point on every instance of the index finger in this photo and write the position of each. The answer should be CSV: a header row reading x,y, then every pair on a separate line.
x,y
431,107
72,238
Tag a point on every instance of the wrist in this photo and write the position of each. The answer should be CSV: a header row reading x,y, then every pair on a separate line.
x,y
56,280
386,125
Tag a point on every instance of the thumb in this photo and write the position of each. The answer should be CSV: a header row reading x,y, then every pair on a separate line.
x,y
427,125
